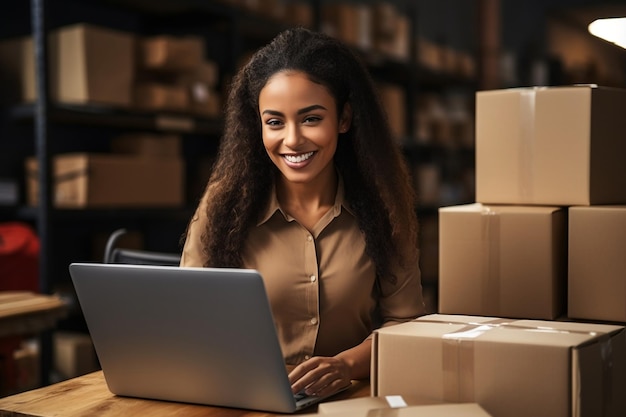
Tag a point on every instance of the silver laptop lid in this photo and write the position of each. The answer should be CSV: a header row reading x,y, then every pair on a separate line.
x,y
197,335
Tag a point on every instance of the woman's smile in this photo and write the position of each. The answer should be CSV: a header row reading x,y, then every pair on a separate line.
x,y
298,160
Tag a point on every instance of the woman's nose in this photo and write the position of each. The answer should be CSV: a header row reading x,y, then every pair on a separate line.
x,y
293,135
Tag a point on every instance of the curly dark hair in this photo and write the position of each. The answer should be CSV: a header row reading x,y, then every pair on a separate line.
x,y
377,185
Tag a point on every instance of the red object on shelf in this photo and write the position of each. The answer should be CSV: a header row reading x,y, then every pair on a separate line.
x,y
19,257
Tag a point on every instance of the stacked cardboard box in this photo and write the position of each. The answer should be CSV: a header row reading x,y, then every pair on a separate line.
x,y
532,276
173,75
91,64
541,154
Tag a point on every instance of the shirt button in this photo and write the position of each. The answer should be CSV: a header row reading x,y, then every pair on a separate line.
x,y
314,320
307,357
309,238
312,277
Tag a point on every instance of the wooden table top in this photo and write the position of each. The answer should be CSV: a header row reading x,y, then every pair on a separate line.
x,y
88,395
23,312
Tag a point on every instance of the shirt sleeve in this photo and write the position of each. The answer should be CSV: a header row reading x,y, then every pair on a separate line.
x,y
193,253
403,300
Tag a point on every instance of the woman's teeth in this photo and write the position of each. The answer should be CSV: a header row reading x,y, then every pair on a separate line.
x,y
298,158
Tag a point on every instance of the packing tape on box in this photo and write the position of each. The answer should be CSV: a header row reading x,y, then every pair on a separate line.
x,y
458,357
490,283
526,143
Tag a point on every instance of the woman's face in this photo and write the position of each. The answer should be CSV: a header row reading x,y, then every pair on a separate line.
x,y
300,127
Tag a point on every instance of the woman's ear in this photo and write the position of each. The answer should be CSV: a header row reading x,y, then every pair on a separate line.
x,y
346,118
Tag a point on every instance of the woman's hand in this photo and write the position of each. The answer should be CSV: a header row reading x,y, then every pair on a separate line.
x,y
320,376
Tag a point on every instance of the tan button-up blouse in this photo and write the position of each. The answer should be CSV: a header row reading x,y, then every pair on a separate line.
x,y
320,283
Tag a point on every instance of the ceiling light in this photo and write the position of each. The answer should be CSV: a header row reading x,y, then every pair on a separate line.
x,y
610,29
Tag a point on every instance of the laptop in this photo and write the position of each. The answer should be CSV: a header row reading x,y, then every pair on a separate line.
x,y
193,335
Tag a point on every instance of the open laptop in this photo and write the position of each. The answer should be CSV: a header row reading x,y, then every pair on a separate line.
x,y
196,335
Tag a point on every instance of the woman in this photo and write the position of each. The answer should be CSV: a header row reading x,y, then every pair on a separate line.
x,y
310,190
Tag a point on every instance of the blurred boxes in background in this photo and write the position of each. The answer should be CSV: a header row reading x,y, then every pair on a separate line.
x,y
511,368
91,64
74,354
393,99
170,53
148,144
17,70
84,180
508,261
87,64
597,263
552,146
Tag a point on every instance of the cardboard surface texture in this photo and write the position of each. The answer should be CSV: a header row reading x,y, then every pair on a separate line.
x,y
551,146
512,368
508,261
91,64
108,180
597,263
436,410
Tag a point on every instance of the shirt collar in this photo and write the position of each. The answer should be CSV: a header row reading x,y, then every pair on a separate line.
x,y
273,205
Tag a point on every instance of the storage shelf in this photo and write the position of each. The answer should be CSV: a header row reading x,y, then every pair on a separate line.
x,y
29,213
94,115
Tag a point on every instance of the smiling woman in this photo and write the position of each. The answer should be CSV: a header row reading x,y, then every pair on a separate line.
x,y
311,190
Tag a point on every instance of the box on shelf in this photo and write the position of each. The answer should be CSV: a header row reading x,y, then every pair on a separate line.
x,y
147,144
512,368
17,69
352,23
394,100
84,180
74,354
161,97
91,64
597,263
551,146
171,53
506,261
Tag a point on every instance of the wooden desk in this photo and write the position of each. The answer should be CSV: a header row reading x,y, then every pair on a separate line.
x,y
24,314
27,313
88,395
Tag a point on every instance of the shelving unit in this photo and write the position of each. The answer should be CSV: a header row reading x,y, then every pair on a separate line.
x,y
233,32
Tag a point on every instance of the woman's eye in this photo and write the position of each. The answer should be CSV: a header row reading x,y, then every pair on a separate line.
x,y
273,122
312,119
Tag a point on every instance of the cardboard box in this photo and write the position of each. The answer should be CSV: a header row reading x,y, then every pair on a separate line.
x,y
597,263
551,146
506,261
74,354
106,180
439,410
512,368
161,97
393,99
17,70
171,53
146,144
91,64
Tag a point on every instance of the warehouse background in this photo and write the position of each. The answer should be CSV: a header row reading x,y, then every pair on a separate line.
x,y
428,57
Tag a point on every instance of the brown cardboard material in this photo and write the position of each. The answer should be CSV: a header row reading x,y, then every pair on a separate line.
x,y
17,70
358,408
107,180
147,144
91,64
157,96
551,146
170,53
74,354
597,263
508,261
372,403
512,368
